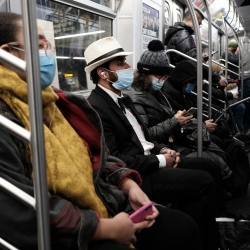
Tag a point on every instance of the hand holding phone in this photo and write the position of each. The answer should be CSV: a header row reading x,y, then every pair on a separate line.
x,y
141,214
191,111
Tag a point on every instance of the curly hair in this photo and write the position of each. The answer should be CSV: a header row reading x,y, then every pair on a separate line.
x,y
142,82
9,27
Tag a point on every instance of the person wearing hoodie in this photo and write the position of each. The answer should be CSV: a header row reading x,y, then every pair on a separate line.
x,y
180,37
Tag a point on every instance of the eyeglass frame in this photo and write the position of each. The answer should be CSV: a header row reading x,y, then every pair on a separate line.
x,y
18,43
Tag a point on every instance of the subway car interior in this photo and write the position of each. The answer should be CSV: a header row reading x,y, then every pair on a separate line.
x,y
72,25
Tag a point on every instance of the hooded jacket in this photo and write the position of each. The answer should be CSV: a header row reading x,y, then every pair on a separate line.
x,y
179,37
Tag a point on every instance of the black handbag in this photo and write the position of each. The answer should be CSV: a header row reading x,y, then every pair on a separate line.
x,y
234,232
188,135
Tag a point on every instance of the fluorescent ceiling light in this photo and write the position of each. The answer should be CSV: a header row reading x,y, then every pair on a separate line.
x,y
79,58
81,34
62,57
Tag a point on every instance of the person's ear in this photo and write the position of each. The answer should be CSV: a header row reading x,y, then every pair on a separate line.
x,y
101,73
6,47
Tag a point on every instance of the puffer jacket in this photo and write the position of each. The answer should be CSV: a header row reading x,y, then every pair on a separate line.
x,y
232,58
179,37
160,120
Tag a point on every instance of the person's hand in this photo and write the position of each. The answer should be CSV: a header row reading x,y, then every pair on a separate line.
x,y
172,158
223,81
137,198
235,95
210,125
181,118
244,63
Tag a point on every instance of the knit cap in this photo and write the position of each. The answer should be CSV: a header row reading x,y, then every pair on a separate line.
x,y
154,60
233,43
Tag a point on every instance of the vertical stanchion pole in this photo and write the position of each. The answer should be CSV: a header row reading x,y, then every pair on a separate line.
x,y
36,122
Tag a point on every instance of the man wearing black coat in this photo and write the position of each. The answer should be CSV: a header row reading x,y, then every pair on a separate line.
x,y
180,37
127,138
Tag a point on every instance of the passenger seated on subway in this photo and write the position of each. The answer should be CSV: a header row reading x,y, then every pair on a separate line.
x,y
154,108
231,96
90,192
180,37
166,178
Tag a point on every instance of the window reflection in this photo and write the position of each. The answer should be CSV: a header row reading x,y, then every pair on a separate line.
x,y
73,30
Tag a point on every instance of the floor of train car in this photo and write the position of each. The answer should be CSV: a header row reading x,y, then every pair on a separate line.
x,y
241,205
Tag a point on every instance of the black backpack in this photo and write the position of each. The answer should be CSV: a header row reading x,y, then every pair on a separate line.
x,y
238,182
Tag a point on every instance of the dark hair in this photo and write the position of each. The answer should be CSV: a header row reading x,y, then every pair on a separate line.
x,y
93,74
9,27
187,14
142,82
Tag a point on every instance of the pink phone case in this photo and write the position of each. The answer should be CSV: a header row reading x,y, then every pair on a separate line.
x,y
140,214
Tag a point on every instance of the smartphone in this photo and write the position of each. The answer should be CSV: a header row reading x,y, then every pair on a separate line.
x,y
191,111
207,57
141,214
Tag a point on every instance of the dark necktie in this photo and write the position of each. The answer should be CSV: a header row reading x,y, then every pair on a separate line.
x,y
120,101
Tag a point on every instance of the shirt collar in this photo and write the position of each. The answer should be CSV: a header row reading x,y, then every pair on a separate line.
x,y
113,95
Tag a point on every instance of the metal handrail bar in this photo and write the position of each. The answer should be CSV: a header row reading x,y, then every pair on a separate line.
x,y
6,245
36,123
222,65
15,129
210,63
219,100
237,66
17,192
12,61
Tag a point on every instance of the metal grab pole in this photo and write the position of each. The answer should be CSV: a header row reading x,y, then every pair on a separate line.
x,y
210,59
36,122
199,76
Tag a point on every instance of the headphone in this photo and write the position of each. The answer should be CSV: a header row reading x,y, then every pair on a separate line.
x,y
103,74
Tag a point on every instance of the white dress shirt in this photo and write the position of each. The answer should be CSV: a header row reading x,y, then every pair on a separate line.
x,y
147,146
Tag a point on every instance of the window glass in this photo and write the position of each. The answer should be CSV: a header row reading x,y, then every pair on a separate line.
x,y
107,3
72,30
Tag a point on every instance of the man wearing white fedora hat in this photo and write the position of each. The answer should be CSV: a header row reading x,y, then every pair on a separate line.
x,y
165,178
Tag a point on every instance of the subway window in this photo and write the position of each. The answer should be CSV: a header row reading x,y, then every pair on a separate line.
x,y
71,31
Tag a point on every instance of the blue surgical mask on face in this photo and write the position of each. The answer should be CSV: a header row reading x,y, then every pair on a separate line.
x,y
125,79
47,68
221,73
189,88
156,84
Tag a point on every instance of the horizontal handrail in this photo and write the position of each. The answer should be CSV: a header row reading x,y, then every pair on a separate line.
x,y
12,61
7,245
222,65
17,192
221,59
15,129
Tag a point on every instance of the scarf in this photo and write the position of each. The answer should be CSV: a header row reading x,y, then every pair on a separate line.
x,y
69,167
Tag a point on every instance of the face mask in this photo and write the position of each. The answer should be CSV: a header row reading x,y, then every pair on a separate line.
x,y
221,73
125,79
156,84
47,68
189,88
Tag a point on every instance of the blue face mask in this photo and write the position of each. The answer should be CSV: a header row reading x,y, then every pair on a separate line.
x,y
125,79
221,73
156,84
47,68
189,88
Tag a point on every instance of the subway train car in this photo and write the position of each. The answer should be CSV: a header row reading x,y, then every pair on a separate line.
x,y
71,26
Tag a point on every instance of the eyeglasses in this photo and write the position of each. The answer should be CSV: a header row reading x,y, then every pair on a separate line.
x,y
43,44
161,78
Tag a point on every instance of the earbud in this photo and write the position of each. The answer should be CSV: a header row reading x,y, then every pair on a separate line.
x,y
103,74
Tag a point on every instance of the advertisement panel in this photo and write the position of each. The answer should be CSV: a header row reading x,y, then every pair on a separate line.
x,y
150,25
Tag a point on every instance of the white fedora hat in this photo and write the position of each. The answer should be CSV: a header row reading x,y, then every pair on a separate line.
x,y
102,51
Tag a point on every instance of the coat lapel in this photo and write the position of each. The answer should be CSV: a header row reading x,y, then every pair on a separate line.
x,y
121,115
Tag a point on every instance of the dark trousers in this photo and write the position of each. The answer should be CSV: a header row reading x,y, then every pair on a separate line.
x,y
173,230
193,190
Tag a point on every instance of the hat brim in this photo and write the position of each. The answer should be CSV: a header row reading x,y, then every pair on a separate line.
x,y
91,67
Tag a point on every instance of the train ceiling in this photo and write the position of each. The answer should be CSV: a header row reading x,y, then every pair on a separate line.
x,y
244,12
